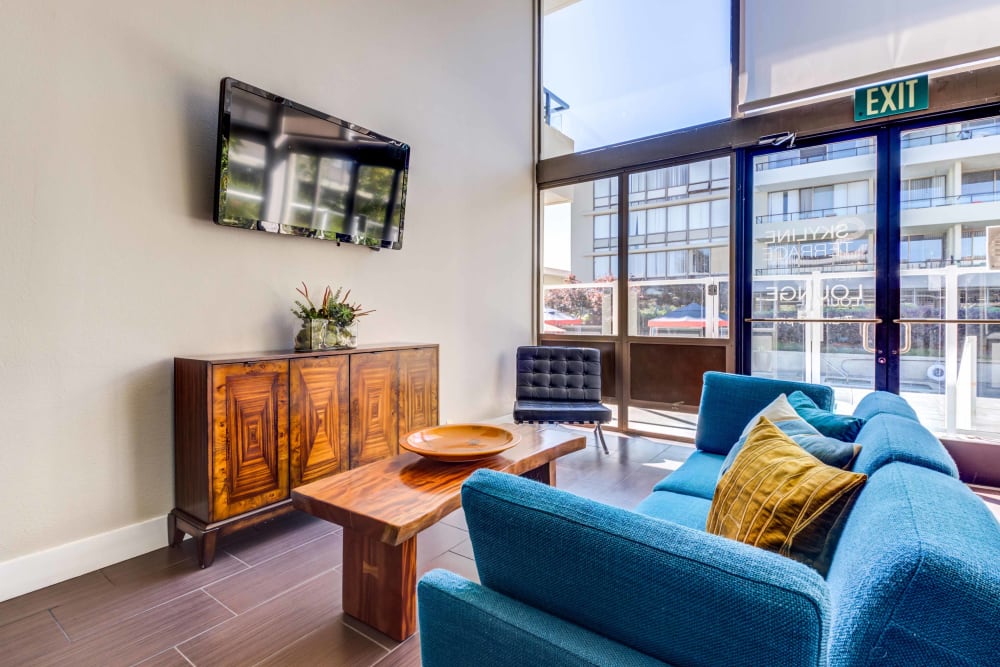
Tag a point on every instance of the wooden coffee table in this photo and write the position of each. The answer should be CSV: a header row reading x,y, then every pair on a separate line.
x,y
382,506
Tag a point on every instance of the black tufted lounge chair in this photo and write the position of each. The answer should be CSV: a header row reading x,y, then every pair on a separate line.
x,y
560,385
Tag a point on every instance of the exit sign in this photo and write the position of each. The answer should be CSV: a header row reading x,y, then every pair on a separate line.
x,y
887,99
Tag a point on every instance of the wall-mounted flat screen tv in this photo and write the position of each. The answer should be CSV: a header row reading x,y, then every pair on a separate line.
x,y
288,169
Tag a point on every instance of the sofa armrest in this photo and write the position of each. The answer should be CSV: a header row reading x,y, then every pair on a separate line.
x,y
678,594
463,623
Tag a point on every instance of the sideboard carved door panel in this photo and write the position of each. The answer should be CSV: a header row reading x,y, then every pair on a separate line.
x,y
250,436
319,417
249,427
374,405
418,390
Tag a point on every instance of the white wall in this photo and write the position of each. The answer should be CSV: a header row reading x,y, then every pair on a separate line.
x,y
109,262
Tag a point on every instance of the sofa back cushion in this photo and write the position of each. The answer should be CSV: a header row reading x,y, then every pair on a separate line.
x,y
884,402
729,401
916,575
888,437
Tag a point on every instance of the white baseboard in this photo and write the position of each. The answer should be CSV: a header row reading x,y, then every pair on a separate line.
x,y
43,568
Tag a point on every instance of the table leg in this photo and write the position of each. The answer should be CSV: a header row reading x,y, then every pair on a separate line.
x,y
380,582
545,473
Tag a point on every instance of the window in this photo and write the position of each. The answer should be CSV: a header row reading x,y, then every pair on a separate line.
x,y
605,232
720,219
701,261
921,192
606,192
605,267
698,215
822,201
614,70
979,186
921,249
637,223
974,244
656,221
637,266
677,219
689,219
699,175
579,258
656,265
677,263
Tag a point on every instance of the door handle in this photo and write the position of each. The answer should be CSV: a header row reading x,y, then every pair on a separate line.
x,y
866,328
907,337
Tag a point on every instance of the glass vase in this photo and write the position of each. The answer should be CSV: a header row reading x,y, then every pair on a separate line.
x,y
310,335
339,338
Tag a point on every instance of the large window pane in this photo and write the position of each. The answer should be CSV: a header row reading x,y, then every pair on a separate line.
x,y
580,258
678,292
813,264
950,371
616,70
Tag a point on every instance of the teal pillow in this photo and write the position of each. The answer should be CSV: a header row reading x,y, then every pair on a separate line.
x,y
841,427
828,450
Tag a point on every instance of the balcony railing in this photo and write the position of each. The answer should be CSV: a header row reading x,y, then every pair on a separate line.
x,y
791,216
806,268
941,263
553,106
947,136
972,198
831,153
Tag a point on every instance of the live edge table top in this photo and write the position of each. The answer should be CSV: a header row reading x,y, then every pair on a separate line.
x,y
394,499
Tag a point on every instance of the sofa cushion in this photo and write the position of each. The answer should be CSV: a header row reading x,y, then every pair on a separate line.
x,y
884,402
697,476
778,497
889,437
916,576
690,511
780,412
830,424
729,401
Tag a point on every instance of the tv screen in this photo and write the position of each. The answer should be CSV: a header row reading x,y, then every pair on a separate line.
x,y
288,169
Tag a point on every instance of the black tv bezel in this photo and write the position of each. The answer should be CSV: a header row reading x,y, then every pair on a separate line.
x,y
226,86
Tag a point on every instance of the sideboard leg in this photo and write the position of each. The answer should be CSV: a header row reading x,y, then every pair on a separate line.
x,y
174,534
206,547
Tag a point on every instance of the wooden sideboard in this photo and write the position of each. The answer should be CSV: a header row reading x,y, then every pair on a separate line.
x,y
249,428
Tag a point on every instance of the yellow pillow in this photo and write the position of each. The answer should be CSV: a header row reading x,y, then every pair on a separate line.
x,y
779,497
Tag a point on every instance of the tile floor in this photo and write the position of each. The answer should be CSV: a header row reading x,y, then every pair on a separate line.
x,y
273,595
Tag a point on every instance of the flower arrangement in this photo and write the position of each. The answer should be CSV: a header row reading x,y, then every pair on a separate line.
x,y
331,324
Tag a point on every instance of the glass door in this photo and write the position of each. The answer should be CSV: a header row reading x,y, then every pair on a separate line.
x,y
870,268
949,296
812,230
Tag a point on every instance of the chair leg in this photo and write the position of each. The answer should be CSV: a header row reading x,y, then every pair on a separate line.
x,y
600,436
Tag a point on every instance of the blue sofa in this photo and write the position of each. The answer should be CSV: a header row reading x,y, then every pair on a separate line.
x,y
915,579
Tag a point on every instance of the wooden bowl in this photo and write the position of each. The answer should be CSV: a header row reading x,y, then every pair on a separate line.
x,y
457,443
